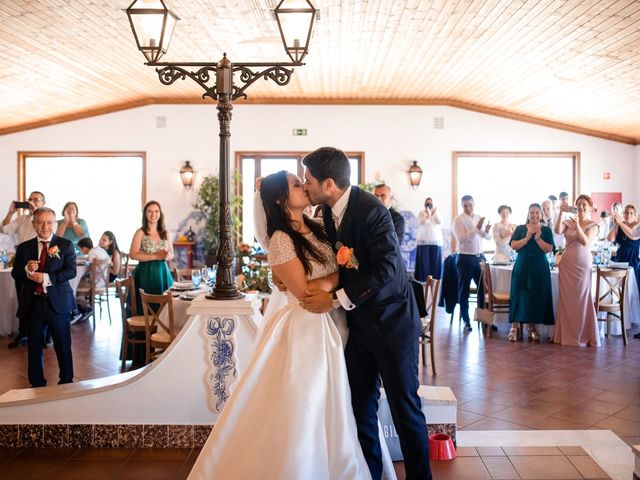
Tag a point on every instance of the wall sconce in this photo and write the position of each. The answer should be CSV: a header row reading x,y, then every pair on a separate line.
x,y
187,174
415,174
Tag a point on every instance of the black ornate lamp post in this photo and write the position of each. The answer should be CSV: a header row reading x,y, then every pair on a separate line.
x,y
153,24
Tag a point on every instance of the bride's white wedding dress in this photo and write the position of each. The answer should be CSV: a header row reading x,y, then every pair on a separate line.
x,y
290,415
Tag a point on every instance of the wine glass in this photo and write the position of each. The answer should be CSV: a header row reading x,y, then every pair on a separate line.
x,y
196,278
205,275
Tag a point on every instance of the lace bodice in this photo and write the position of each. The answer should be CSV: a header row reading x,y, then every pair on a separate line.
x,y
149,246
281,250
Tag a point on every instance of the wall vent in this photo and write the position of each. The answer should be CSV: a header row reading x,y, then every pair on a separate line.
x,y
438,123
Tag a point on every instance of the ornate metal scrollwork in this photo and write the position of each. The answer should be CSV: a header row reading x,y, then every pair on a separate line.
x,y
202,77
277,73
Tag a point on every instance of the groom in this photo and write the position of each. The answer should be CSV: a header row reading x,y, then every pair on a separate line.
x,y
382,315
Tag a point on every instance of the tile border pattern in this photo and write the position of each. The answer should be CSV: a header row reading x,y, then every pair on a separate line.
x,y
125,436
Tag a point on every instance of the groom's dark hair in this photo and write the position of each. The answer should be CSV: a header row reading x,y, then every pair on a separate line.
x,y
329,162
274,192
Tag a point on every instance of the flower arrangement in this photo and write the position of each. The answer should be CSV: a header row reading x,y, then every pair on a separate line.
x,y
254,268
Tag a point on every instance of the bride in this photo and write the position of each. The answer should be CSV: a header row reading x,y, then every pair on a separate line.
x,y
290,415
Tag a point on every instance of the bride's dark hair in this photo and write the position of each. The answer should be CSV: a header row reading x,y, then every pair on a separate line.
x,y
274,192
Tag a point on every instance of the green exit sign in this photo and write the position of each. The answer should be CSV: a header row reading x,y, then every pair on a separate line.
x,y
299,132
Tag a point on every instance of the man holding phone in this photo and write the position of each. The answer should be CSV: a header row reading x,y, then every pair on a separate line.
x,y
21,229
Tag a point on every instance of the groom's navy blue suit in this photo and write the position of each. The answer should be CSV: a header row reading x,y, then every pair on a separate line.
x,y
52,309
384,328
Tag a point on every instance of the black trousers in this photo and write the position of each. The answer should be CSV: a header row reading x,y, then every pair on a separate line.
x,y
42,316
468,268
398,368
23,326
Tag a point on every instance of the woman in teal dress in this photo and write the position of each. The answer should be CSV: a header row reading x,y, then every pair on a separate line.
x,y
71,226
530,298
152,248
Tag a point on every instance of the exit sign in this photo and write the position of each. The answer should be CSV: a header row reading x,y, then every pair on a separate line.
x,y
299,132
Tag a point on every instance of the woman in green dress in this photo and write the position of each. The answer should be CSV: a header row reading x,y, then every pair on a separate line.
x,y
152,248
530,298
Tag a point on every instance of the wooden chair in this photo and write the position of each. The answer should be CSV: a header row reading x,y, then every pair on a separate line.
x,y
99,268
493,302
427,336
610,288
159,333
182,274
130,324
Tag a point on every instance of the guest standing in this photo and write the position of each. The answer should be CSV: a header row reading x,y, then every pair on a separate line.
x,y
71,226
469,230
109,243
502,232
626,234
45,265
530,300
21,229
152,247
429,240
576,321
383,192
547,214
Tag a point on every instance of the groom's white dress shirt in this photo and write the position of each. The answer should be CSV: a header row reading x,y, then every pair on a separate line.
x,y
337,212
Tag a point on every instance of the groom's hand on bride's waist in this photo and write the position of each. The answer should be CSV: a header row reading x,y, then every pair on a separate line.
x,y
317,301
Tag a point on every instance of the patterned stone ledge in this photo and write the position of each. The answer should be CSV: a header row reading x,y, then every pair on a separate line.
x,y
124,436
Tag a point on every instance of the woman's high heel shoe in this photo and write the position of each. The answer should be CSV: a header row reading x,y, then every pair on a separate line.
x,y
513,335
534,336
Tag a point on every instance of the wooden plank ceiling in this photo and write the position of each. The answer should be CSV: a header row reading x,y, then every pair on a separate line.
x,y
568,63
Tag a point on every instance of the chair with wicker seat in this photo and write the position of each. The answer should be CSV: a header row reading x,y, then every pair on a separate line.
x,y
159,332
427,336
494,302
93,292
610,287
131,324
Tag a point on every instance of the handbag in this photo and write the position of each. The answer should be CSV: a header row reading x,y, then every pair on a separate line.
x,y
483,315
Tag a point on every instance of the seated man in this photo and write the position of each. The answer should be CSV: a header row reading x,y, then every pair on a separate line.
x,y
85,245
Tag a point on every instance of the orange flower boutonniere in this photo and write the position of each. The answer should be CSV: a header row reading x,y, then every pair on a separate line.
x,y
345,257
54,251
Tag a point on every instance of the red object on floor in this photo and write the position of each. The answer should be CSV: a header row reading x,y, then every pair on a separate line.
x,y
441,447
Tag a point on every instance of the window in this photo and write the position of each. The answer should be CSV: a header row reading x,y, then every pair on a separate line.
x,y
516,179
109,187
252,165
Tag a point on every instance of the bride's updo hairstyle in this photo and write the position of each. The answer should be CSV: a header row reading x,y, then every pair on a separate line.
x,y
274,191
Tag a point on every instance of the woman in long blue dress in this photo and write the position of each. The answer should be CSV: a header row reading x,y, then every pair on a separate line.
x,y
530,298
626,235
152,248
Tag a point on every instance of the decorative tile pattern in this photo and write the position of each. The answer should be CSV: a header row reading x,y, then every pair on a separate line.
x,y
30,436
180,436
130,436
8,435
56,436
105,436
221,350
448,428
81,436
200,435
154,436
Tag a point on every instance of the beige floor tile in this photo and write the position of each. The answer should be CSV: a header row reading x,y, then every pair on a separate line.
x,y
588,467
500,468
545,468
460,468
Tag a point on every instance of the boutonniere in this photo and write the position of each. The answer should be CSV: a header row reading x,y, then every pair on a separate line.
x,y
345,257
54,251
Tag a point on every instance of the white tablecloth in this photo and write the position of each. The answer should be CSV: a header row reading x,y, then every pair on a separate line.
x,y
9,299
501,283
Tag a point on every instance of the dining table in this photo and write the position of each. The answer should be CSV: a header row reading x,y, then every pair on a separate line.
x,y
501,283
9,298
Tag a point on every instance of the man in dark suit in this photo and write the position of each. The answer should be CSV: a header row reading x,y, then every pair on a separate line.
x,y
382,314
383,192
44,265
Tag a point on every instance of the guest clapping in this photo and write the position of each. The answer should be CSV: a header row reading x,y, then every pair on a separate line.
x,y
152,247
429,239
71,226
109,243
502,232
576,322
530,300
626,234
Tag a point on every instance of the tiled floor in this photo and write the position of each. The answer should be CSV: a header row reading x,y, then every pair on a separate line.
x,y
499,385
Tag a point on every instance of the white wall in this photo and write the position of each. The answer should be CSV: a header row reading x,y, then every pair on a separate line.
x,y
390,136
